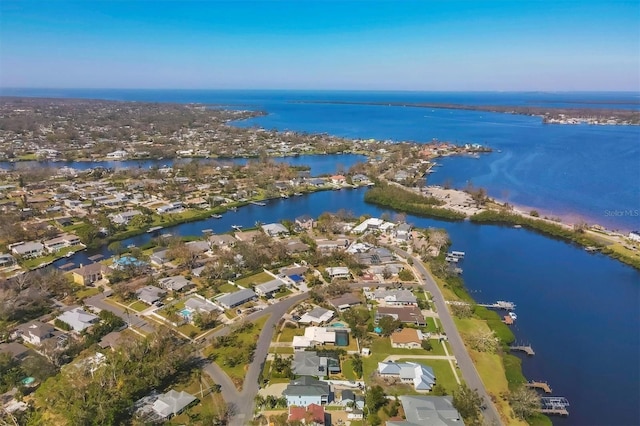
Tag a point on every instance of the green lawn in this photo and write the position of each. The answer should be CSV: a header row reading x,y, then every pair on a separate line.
x,y
138,306
347,369
227,288
87,292
382,345
242,340
283,292
442,370
281,351
259,278
209,402
288,333
189,330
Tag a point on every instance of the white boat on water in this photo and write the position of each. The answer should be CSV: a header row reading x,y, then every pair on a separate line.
x,y
216,216
237,227
513,316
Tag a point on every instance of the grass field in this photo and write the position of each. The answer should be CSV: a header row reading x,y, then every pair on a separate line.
x,y
138,306
259,278
287,334
87,292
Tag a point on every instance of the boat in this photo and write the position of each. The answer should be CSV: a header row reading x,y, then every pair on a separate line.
x,y
237,227
69,254
216,216
297,194
284,196
233,209
513,316
517,226
154,229
258,203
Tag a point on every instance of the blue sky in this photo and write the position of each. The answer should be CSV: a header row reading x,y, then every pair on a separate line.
x,y
304,44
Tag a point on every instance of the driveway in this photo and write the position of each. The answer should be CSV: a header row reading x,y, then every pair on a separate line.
x,y
130,318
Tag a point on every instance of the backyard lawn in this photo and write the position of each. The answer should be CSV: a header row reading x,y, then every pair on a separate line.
x,y
287,334
259,278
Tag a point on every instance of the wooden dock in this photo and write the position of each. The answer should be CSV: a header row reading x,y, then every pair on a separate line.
x,y
543,386
522,348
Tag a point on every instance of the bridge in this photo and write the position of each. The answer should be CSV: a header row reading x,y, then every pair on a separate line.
x,y
543,386
554,405
523,348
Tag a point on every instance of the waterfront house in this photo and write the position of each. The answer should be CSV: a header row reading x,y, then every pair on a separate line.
x,y
304,222
423,410
175,207
117,155
28,249
160,257
224,240
89,274
231,300
275,229
306,391
123,218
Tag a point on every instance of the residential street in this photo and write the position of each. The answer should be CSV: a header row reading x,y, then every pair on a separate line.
x,y
131,318
469,372
243,402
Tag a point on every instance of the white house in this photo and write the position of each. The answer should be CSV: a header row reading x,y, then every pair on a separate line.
x,y
35,332
306,391
275,229
338,272
316,316
78,319
117,155
313,336
634,236
420,376
28,249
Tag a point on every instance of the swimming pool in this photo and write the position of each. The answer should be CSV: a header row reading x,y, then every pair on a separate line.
x,y
338,325
185,313
28,380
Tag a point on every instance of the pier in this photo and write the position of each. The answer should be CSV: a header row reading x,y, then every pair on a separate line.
x,y
258,203
154,229
500,304
554,405
543,386
522,348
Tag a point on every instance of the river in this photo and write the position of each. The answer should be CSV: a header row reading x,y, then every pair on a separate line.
x,y
579,311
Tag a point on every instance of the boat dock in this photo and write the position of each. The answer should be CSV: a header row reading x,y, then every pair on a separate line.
x,y
554,405
543,386
258,203
96,257
522,348
500,304
154,229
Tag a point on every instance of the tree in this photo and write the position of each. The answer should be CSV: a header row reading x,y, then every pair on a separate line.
x,y
356,363
483,341
468,402
525,402
406,275
388,325
374,400
462,310
426,345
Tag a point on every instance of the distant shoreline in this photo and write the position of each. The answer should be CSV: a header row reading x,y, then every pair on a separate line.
x,y
551,115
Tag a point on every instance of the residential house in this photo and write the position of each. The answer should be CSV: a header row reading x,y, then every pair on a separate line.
x,y
200,305
338,272
269,288
316,316
89,274
28,249
275,229
78,319
423,410
172,403
111,340
150,294
403,232
306,391
35,332
634,236
175,283
373,223
16,350
312,415
123,218
308,363
304,222
338,179
6,260
160,257
198,247
406,314
247,236
117,155
326,246
224,240
231,300
317,182
345,301
408,338
395,297
420,376
314,336
175,207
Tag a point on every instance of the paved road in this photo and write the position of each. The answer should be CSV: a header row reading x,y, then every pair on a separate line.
x,y
132,318
469,372
243,402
